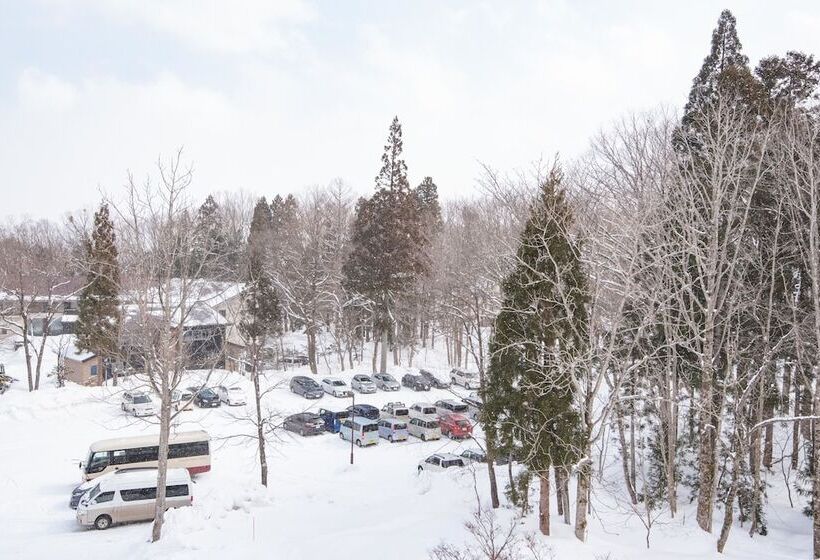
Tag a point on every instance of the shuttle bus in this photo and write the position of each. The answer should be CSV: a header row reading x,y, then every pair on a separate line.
x,y
187,450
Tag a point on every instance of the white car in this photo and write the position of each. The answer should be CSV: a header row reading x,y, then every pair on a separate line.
x,y
232,396
423,411
363,384
467,379
441,461
138,404
336,387
182,400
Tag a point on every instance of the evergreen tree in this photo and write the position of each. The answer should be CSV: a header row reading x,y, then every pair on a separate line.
x,y
393,174
98,322
539,334
212,254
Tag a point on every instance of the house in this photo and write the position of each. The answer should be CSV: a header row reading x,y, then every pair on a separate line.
x,y
52,300
84,368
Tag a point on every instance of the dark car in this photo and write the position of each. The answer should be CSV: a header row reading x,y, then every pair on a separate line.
x,y
333,420
205,397
366,410
296,360
307,387
305,424
433,380
415,382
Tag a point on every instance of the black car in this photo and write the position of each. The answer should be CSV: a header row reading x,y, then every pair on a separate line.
x,y
433,380
205,397
365,410
415,382
305,424
307,387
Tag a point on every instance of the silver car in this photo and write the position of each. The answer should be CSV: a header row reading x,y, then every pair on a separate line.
x,y
386,382
363,384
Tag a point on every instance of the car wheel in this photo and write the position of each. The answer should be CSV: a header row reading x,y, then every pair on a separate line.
x,y
122,406
420,469
302,433
359,442
423,437
341,436
390,439
102,523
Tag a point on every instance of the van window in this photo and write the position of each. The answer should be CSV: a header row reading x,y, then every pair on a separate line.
x,y
176,490
104,497
370,428
138,494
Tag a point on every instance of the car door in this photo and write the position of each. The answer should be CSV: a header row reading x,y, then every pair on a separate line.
x,y
433,464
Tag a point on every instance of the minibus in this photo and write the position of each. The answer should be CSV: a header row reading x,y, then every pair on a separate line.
x,y
360,430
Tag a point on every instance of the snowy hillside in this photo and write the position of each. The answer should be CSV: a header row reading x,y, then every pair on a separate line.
x,y
317,505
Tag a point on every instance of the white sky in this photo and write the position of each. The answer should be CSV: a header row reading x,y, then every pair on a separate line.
x,y
274,97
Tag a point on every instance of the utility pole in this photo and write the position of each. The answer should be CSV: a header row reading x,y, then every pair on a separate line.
x,y
352,423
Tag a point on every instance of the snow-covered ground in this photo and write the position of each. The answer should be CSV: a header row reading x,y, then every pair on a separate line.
x,y
317,505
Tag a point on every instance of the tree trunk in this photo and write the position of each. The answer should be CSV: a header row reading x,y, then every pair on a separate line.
x,y
816,464
582,499
728,511
706,448
559,491
491,468
565,494
544,503
311,347
385,350
162,458
796,429
375,352
260,428
626,455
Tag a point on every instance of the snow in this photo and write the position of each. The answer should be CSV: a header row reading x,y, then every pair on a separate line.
x,y
317,505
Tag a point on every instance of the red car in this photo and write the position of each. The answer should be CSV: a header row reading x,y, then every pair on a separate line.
x,y
456,426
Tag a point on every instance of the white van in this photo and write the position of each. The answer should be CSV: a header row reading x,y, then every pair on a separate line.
x,y
131,496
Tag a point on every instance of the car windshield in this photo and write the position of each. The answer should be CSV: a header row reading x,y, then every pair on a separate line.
x,y
428,410
469,374
463,423
235,390
387,377
399,426
400,412
337,383
141,399
207,393
94,492
459,408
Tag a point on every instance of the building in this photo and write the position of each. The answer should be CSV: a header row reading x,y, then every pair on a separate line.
x,y
51,303
84,368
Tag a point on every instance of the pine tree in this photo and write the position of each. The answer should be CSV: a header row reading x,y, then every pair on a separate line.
x,y
388,246
98,322
539,334
261,313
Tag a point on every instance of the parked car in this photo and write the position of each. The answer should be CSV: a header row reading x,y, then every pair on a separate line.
x,y
182,400
425,430
456,426
131,496
204,397
386,382
307,387
415,382
393,429
396,410
441,461
305,424
361,431
296,360
333,420
82,489
364,410
450,406
232,396
336,387
138,404
363,384
474,406
467,379
473,456
425,411
432,380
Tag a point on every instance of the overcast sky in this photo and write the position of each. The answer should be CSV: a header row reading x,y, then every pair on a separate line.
x,y
274,97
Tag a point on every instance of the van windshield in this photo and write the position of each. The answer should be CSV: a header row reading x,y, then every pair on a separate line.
x,y
141,399
94,492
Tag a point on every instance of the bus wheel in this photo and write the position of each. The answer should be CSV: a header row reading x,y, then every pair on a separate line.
x,y
102,523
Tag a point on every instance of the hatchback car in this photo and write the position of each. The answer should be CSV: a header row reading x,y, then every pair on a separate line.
x,y
138,404
425,411
397,410
456,426
432,380
336,387
363,384
307,387
232,396
467,379
204,397
386,382
333,420
393,429
440,461
415,382
305,424
449,406
425,430
364,410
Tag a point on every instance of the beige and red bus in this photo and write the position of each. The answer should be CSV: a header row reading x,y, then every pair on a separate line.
x,y
187,450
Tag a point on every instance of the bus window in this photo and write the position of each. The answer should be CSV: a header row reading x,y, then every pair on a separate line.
x,y
97,462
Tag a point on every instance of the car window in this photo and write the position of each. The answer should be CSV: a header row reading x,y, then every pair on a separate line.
x,y
104,497
338,383
141,399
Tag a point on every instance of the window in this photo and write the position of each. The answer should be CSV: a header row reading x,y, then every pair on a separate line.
x,y
104,497
97,462
193,449
93,371
138,494
142,454
119,457
176,490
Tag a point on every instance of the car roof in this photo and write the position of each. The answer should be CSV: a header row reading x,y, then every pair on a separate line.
x,y
363,420
450,401
423,404
143,477
448,456
456,416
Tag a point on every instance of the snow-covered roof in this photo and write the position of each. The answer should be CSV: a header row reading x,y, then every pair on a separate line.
x,y
76,354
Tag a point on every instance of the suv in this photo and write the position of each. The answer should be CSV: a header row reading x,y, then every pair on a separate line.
x,y
415,382
386,382
138,404
305,424
363,384
307,387
449,406
456,426
336,387
396,410
364,411
440,462
333,420
205,397
433,380
232,396
467,379
425,411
